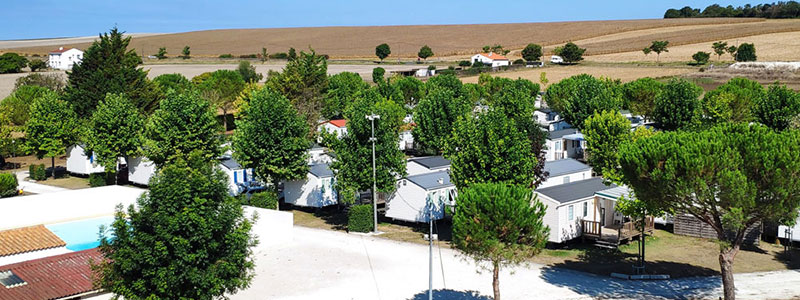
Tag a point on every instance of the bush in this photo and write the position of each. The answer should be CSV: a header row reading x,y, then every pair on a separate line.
x,y
37,64
701,58
12,63
268,200
518,62
279,55
464,63
248,56
37,172
101,179
226,55
8,185
359,218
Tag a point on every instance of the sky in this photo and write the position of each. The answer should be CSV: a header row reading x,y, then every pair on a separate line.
x,y
29,19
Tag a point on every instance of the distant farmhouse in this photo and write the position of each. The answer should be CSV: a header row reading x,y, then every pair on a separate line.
x,y
64,59
491,59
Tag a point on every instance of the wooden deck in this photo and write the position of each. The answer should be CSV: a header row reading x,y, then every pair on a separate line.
x,y
614,234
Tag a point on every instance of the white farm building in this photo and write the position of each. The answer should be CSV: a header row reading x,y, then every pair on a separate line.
x,y
64,59
491,59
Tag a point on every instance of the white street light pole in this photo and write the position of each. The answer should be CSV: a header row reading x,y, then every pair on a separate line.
x,y
372,118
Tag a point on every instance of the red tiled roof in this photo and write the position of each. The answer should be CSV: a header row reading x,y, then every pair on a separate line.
x,y
52,277
26,239
338,123
60,50
494,56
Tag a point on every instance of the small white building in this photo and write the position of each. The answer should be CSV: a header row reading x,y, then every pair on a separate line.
x,y
564,171
491,59
338,127
790,233
550,120
140,170
318,154
64,59
316,190
420,196
568,204
428,164
565,143
79,163
239,179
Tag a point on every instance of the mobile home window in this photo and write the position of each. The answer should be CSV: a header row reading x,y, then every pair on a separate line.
x,y
585,209
570,213
566,179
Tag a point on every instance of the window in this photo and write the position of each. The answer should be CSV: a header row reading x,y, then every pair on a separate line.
x,y
585,209
566,179
571,213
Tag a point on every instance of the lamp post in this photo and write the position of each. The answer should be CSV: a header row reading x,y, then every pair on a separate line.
x,y
372,139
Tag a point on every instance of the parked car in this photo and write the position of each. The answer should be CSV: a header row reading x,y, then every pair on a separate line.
x,y
556,59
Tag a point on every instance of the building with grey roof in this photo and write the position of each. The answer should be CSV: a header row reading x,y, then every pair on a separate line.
x,y
427,164
571,203
316,190
564,171
422,196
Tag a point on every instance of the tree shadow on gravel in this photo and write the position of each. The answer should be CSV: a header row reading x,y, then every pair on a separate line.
x,y
446,294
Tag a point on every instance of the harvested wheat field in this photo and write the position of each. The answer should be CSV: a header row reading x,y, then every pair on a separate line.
x,y
622,72
769,47
446,40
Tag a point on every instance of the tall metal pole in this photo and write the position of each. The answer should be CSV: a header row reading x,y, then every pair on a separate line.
x,y
430,250
372,118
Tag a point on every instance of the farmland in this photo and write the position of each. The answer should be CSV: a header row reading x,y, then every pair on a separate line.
x,y
624,72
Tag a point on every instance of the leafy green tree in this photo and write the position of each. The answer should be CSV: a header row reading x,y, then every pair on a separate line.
x,y
532,52
677,106
777,108
641,95
343,88
732,51
12,63
701,58
183,124
115,130
733,101
604,132
108,66
499,225
720,48
37,64
187,52
187,239
581,96
352,167
571,53
382,51
276,153
435,116
729,177
162,53
6,128
264,56
424,52
221,90
410,87
377,75
53,82
658,47
51,128
746,52
174,81
248,72
17,105
292,54
304,82
647,51
489,147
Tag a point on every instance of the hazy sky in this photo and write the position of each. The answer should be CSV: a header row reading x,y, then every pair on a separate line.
x,y
25,19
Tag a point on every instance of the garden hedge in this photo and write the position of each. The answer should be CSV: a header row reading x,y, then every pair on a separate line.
x,y
37,172
359,218
8,185
266,200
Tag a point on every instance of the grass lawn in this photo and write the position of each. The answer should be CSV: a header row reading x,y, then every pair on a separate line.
x,y
666,253
67,182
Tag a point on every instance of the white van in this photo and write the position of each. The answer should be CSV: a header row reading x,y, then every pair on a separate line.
x,y
556,59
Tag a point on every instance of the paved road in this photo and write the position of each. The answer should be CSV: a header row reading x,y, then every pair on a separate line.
x,y
322,264
32,187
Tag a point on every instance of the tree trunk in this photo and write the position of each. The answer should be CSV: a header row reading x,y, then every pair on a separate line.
x,y
496,280
643,239
726,268
277,196
224,120
53,166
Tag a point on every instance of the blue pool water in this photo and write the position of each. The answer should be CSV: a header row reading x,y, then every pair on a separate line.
x,y
83,234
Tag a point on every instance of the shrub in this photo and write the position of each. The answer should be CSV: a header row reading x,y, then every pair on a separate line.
x,y
248,56
101,179
8,185
268,200
37,172
701,58
464,63
359,218
12,63
37,64
519,62
279,55
226,55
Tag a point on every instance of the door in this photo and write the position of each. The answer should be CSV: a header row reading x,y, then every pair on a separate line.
x,y
603,217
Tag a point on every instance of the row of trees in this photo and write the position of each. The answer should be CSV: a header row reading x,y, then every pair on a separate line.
x,y
14,63
775,10
186,53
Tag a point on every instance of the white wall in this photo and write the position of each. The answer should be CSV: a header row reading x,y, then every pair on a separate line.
x,y
410,201
406,140
272,227
79,163
65,60
328,127
795,230
235,177
572,177
563,229
499,63
311,192
140,170
551,219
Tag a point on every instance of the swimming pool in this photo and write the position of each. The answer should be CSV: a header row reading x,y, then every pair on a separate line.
x,y
83,234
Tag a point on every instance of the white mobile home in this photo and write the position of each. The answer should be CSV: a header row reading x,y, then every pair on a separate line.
x,y
79,163
568,204
239,178
315,191
564,171
428,164
140,170
318,154
64,59
419,196
565,143
550,120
